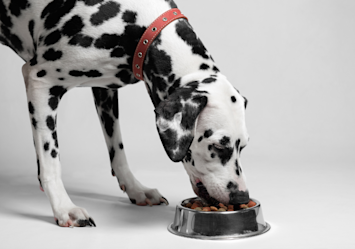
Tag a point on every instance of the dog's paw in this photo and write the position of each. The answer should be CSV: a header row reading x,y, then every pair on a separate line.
x,y
143,196
73,217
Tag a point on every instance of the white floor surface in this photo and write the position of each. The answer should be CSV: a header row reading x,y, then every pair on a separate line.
x,y
301,214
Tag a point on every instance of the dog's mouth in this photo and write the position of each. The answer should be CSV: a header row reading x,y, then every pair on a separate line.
x,y
235,197
204,195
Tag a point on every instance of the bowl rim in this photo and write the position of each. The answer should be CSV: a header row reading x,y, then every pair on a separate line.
x,y
216,212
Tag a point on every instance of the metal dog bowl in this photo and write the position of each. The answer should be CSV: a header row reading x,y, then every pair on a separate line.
x,y
218,225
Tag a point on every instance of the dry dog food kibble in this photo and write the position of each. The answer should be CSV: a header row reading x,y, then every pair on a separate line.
x,y
213,208
251,204
199,206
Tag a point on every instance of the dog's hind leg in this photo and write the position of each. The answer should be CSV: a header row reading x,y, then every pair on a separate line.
x,y
43,99
106,101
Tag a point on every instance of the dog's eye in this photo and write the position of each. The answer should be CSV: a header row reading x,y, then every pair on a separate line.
x,y
218,147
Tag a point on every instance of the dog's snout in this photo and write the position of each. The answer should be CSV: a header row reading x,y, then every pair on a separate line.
x,y
237,196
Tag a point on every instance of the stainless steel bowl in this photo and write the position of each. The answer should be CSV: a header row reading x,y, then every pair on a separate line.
x,y
218,225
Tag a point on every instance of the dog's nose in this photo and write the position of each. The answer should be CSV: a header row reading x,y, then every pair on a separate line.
x,y
239,197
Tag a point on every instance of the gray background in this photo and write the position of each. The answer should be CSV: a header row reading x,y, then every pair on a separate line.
x,y
293,60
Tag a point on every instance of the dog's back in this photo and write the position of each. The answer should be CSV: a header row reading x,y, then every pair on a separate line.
x,y
74,38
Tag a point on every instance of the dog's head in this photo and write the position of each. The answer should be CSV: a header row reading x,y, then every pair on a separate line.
x,y
202,124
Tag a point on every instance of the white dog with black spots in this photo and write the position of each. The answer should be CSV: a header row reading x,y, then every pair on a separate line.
x,y
200,116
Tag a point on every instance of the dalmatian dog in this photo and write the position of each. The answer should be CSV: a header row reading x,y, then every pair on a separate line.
x,y
200,116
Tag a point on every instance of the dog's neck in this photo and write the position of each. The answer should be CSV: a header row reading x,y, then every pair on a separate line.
x,y
175,58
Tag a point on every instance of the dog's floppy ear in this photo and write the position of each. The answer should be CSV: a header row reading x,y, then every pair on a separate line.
x,y
175,120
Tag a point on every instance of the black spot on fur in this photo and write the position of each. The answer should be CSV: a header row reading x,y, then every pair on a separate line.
x,y
237,167
188,35
215,69
93,74
208,133
81,40
232,186
50,123
209,80
200,139
245,102
188,156
31,26
91,2
171,78
58,70
129,16
108,123
33,61
204,66
52,55
61,79
38,168
130,38
46,146
107,41
53,103
55,10
16,6
233,99
52,38
123,66
224,154
55,137
31,109
41,73
121,146
34,123
76,73
212,155
118,52
73,26
159,62
54,153
106,11
237,145
113,86
90,74
57,91
125,77
224,140
112,153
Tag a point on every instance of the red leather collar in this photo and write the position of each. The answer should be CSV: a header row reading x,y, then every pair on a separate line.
x,y
148,37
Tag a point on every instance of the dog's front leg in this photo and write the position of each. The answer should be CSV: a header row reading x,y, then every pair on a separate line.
x,y
106,101
43,99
